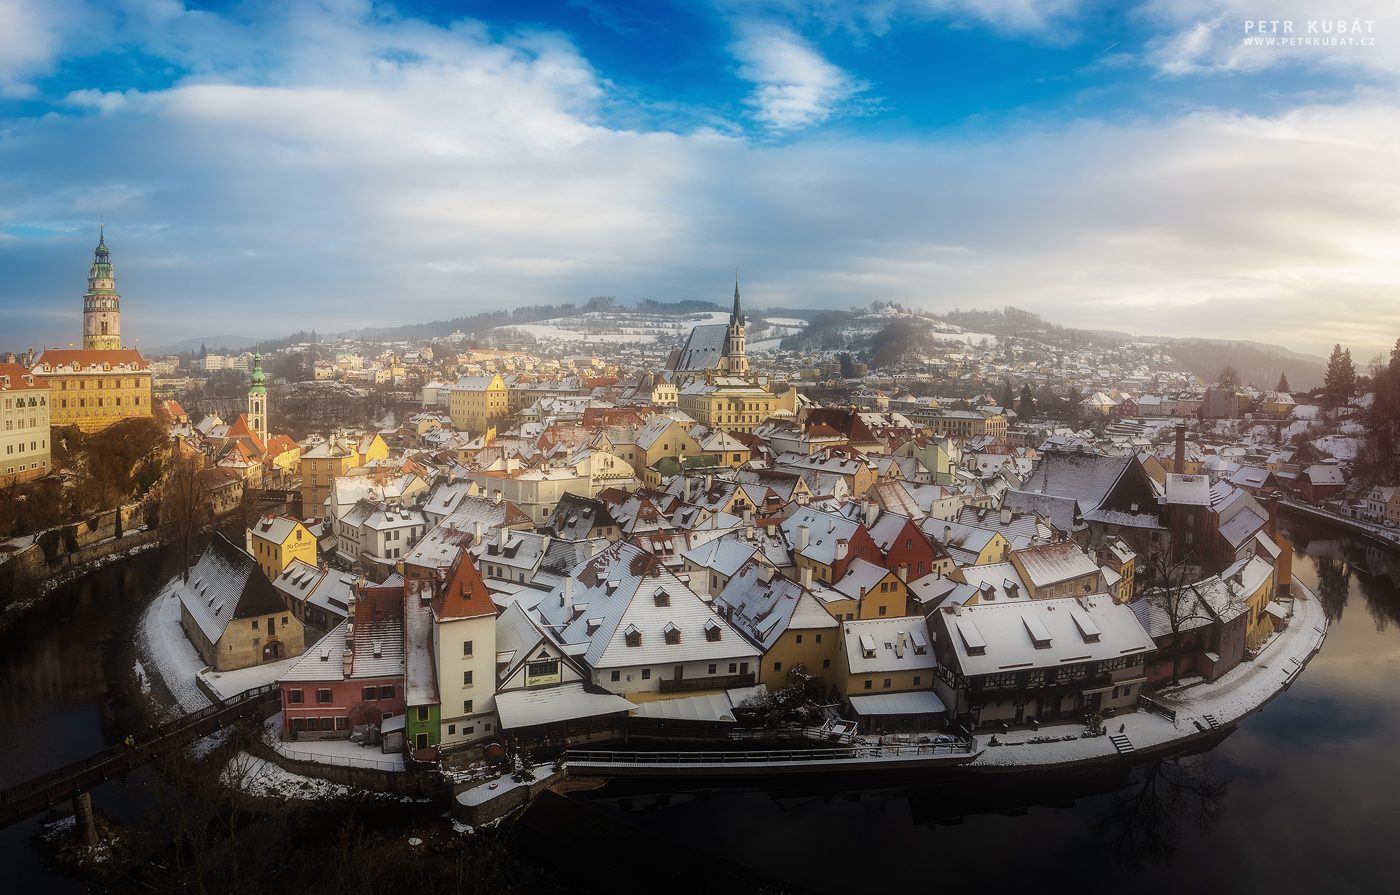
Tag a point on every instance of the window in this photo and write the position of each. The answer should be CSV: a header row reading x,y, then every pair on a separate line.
x,y
617,675
341,723
646,674
323,696
917,680
634,638
826,663
868,684
733,668
466,647
452,730
882,609
313,724
799,638
255,624
819,639
386,692
777,666
298,724
466,678
1127,689
370,694
284,620
712,669
908,543
294,697
466,706
887,683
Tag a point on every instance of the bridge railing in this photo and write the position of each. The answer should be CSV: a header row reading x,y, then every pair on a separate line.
x,y
771,756
1152,705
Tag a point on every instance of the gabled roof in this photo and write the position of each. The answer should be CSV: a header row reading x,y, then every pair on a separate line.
x,y
860,578
1049,564
763,604
462,594
227,584
1071,630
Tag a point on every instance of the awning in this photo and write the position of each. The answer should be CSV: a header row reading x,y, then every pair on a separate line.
x,y
922,702
528,708
1275,610
392,724
707,707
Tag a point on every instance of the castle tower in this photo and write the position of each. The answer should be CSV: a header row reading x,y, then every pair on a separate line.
x,y
735,361
257,399
102,324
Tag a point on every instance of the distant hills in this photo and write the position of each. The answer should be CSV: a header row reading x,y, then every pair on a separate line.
x,y
215,344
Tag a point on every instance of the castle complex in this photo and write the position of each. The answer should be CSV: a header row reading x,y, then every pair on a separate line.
x,y
102,382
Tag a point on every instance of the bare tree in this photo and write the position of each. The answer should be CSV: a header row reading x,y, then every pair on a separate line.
x,y
1169,584
1143,823
184,503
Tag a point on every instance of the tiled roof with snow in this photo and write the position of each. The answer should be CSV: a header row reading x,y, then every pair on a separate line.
x,y
227,584
1086,629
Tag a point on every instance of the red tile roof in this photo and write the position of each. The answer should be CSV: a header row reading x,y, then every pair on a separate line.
x,y
87,357
16,374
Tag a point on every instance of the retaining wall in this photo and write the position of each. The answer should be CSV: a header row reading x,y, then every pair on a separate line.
x,y
517,796
403,783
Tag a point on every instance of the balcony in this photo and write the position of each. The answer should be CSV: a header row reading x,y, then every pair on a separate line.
x,y
719,682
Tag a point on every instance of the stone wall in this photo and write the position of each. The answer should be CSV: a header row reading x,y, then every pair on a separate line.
x,y
403,783
491,808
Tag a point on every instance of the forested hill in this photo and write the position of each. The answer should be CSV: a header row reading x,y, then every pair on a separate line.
x,y
1259,367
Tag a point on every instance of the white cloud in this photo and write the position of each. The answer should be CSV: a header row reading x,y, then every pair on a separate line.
x,y
796,87
358,170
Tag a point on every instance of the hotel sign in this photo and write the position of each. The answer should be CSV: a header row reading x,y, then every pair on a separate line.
x,y
542,673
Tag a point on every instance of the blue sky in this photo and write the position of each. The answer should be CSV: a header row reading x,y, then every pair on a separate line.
x,y
266,167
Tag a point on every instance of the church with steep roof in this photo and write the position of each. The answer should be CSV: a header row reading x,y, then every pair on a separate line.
x,y
714,346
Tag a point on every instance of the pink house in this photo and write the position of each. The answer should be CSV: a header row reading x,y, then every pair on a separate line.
x,y
348,679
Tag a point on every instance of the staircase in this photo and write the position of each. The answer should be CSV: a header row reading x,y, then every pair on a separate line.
x,y
1121,743
1213,721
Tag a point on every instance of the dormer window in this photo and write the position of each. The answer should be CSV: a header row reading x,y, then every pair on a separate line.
x,y
662,598
633,636
673,634
712,631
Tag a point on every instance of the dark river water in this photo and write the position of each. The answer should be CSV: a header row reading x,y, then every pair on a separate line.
x,y
1304,797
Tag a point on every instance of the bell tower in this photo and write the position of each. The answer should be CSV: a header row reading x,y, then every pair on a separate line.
x,y
102,316
735,359
257,399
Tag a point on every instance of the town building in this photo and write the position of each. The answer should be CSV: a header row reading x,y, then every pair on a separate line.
x,y
24,424
274,541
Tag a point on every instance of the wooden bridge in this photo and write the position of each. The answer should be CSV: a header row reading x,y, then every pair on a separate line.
x,y
41,793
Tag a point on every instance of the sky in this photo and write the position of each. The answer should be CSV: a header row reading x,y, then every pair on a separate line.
x,y
265,167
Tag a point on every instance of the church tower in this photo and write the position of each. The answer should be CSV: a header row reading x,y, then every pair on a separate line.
x,y
734,357
102,326
257,399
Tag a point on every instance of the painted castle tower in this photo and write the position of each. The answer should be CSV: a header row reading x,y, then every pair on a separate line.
x,y
257,399
102,315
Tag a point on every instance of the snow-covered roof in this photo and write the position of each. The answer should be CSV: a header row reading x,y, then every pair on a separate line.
x,y
420,672
1187,489
764,609
1050,564
224,585
918,702
550,705
1067,629
877,645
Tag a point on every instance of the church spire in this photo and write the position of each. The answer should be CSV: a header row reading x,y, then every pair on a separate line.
x,y
738,314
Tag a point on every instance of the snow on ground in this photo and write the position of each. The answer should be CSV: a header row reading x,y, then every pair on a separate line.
x,y
164,651
1240,692
258,777
142,677
786,321
231,683
1306,412
1340,446
341,752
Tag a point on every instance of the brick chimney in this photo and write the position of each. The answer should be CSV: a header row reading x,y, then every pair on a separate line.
x,y
1180,449
1273,517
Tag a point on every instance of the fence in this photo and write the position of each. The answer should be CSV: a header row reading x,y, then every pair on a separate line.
x,y
772,756
1152,705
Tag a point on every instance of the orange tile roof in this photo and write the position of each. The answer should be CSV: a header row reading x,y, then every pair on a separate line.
x,y
240,429
16,373
463,594
87,357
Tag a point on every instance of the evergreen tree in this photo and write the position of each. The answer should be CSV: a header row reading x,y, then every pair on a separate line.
x,y
1229,377
1027,408
1283,381
1341,377
203,352
1008,397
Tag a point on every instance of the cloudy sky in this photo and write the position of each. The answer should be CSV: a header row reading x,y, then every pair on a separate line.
x,y
269,166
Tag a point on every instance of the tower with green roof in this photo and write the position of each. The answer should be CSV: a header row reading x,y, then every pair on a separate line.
x,y
257,398
102,323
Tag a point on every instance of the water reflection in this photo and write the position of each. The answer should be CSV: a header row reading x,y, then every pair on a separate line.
x,y
1142,823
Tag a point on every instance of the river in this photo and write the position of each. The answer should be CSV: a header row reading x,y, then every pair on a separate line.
x,y
60,667
1302,797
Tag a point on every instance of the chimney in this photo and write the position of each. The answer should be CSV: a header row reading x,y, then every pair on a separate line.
x,y
803,532
476,533
871,510
805,577
947,534
1180,448
497,497
899,646
566,599
748,531
1005,515
544,544
903,572
842,548
708,479
1273,517
957,609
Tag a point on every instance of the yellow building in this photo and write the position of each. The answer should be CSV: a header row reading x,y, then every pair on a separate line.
x,y
476,399
274,541
663,437
727,402
870,592
783,619
884,656
319,467
92,389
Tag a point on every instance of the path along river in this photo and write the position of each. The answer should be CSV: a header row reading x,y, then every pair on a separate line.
x,y
1302,797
